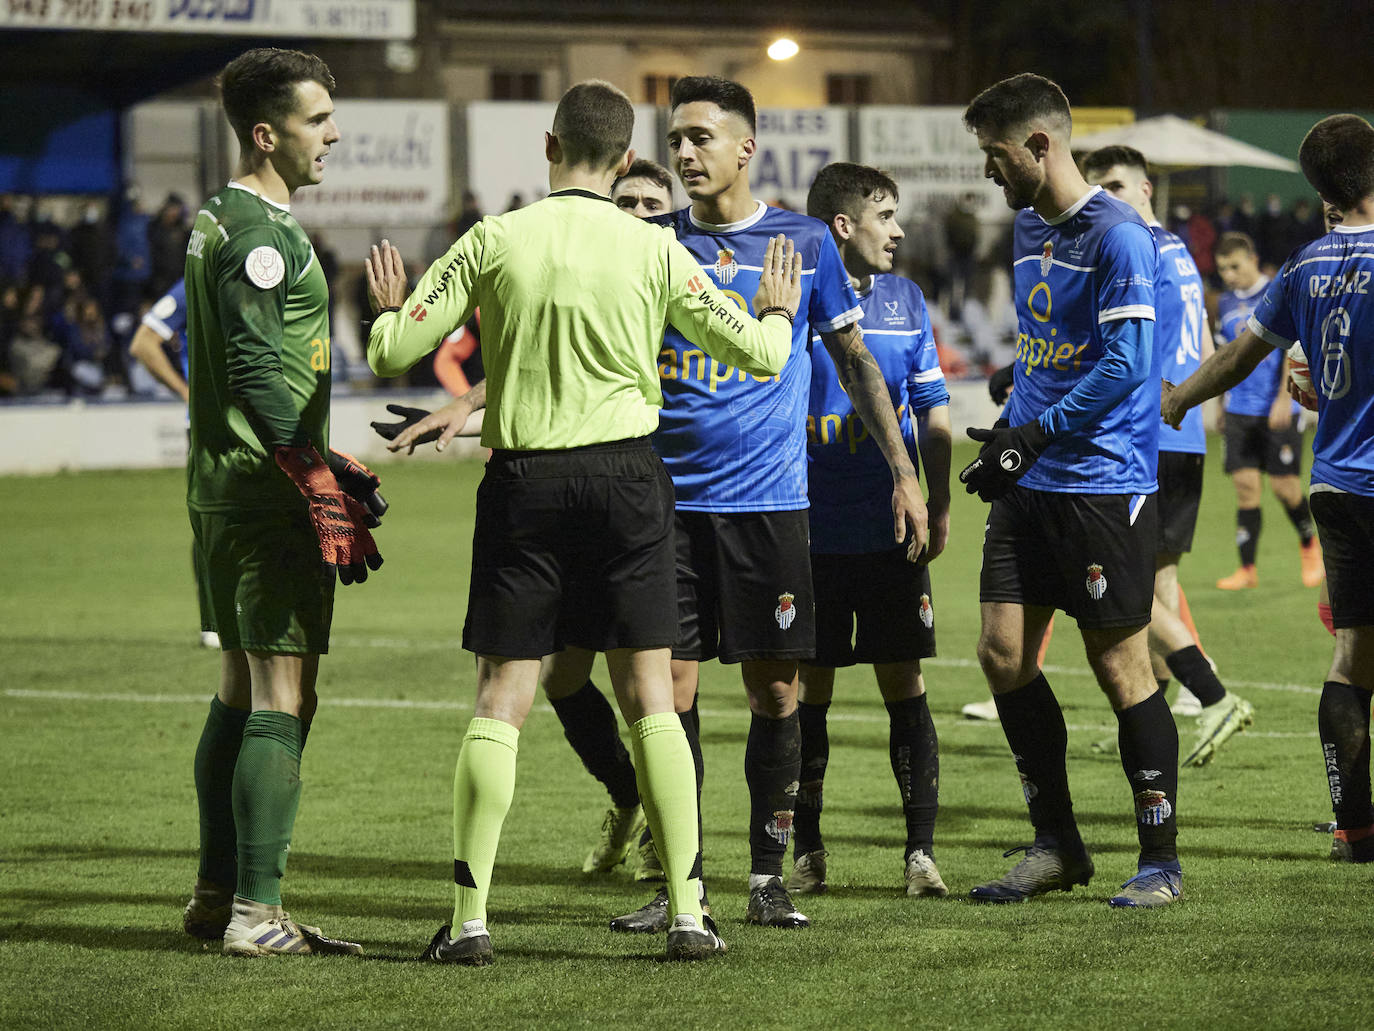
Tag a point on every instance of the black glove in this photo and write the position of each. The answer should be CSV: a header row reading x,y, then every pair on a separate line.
x,y
409,417
360,483
999,384
1007,452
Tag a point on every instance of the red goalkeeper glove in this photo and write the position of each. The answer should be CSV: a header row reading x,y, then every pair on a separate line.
x,y
346,547
360,483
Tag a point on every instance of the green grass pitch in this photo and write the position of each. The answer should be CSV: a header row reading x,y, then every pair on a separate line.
x,y
103,692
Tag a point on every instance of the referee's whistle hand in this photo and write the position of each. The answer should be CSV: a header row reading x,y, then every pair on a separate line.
x,y
386,277
780,281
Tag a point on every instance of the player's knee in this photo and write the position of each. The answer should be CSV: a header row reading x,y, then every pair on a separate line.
x,y
1000,659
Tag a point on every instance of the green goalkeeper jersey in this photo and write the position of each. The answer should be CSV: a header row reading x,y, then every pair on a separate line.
x,y
257,307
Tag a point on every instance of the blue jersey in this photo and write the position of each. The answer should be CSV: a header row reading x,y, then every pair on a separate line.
x,y
1179,318
167,318
1092,385
734,442
1325,297
850,483
1256,393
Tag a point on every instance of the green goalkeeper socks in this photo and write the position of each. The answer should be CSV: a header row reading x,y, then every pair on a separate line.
x,y
216,756
266,792
483,785
668,792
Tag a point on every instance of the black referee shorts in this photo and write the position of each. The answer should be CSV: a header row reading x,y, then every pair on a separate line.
x,y
744,586
1180,495
572,547
1092,555
1345,523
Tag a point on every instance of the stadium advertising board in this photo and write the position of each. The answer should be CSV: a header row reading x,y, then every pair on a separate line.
x,y
506,149
356,19
930,154
793,145
390,167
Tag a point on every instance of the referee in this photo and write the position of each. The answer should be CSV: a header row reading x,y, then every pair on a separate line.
x,y
573,542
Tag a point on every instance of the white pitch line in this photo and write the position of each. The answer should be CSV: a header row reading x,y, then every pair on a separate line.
x,y
456,706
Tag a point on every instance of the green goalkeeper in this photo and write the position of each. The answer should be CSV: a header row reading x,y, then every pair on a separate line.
x,y
272,524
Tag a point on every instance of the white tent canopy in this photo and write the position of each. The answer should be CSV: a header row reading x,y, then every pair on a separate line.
x,y
1172,142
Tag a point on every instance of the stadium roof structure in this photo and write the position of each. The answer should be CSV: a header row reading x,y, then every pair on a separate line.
x,y
1170,142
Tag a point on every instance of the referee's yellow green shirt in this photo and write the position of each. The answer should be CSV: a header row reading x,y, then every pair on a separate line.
x,y
575,296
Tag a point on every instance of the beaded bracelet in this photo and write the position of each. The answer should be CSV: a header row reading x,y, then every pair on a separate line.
x,y
775,309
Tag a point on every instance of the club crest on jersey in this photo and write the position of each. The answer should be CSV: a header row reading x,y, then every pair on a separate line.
x,y
1096,582
1152,808
927,613
786,612
726,265
1046,259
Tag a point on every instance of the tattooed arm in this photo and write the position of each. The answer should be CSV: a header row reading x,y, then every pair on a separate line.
x,y
863,382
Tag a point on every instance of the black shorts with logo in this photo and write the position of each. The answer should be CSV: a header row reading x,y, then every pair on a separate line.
x,y
1251,444
1345,523
883,597
744,586
1180,494
572,547
1092,555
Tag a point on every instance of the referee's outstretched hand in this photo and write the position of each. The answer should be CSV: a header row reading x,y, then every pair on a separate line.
x,y
386,277
780,280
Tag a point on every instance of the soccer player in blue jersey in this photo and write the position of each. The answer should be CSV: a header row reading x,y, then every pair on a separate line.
x,y
1322,296
163,327
163,330
735,446
860,576
1070,472
1261,425
1184,340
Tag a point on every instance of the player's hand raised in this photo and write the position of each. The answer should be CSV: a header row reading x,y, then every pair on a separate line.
x,y
780,280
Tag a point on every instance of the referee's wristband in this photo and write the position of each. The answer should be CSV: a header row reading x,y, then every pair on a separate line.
x,y
776,309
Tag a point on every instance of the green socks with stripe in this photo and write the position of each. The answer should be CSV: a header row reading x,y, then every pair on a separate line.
x,y
668,792
483,785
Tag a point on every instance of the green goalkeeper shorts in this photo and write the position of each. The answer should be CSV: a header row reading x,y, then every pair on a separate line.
x,y
261,582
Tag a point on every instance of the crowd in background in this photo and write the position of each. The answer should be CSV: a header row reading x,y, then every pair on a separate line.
x,y
73,291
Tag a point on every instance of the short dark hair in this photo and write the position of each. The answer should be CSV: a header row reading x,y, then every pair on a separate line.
x,y
593,124
1021,100
1118,154
260,86
643,168
843,187
726,94
1229,243
1337,157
